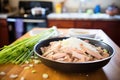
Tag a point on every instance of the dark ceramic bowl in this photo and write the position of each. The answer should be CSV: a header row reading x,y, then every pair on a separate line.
x,y
70,66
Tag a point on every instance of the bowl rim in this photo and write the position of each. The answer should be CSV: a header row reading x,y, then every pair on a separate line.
x,y
95,61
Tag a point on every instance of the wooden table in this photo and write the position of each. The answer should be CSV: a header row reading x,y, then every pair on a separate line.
x,y
109,72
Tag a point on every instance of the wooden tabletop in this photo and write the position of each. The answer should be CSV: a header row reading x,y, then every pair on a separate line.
x,y
109,72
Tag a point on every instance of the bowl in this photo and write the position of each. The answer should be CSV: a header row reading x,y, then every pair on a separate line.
x,y
34,32
38,11
81,33
70,66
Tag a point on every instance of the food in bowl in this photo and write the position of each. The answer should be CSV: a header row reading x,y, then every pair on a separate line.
x,y
81,33
71,67
73,50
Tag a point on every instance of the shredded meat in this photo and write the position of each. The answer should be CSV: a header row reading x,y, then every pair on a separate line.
x,y
86,52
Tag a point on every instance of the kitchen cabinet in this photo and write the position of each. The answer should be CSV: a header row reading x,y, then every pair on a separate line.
x,y
4,38
65,23
61,23
110,27
83,24
70,23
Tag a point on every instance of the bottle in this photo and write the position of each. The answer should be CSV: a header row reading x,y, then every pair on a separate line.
x,y
97,9
58,8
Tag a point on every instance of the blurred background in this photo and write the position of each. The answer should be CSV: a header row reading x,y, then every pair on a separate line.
x,y
20,16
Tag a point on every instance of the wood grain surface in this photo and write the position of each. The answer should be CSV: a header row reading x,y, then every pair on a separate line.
x,y
109,72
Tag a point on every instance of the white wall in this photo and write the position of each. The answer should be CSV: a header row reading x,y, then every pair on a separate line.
x,y
74,4
103,3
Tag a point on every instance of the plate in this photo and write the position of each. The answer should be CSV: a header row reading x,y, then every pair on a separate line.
x,y
81,33
34,32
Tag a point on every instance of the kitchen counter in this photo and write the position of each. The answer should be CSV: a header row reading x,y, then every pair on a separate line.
x,y
74,16
109,72
5,15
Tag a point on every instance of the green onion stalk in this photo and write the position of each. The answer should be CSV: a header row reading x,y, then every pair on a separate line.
x,y
21,50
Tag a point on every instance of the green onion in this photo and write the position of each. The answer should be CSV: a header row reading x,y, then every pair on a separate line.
x,y
21,50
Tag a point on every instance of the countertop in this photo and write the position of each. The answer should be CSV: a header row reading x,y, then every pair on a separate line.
x,y
75,16
69,16
109,72
5,15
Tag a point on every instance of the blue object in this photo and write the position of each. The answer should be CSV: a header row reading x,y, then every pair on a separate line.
x,y
97,9
19,28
